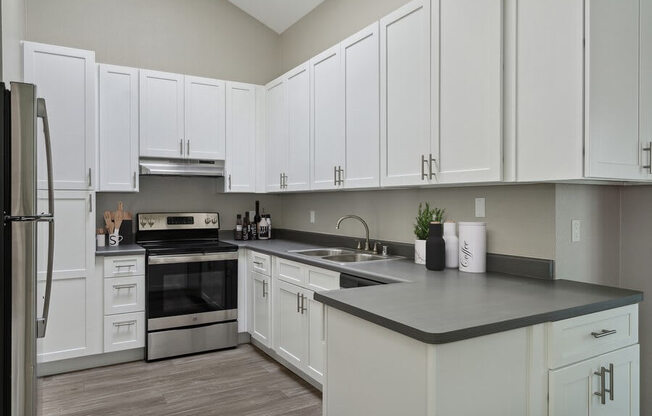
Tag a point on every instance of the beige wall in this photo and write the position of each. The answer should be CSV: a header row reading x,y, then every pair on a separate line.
x,y
13,31
329,23
211,38
520,218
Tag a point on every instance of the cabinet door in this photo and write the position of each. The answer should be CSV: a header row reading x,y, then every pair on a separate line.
x,y
549,90
405,94
645,102
262,309
241,137
469,138
326,119
572,389
74,286
161,114
361,73
205,117
316,337
613,149
276,126
289,328
66,78
118,101
297,167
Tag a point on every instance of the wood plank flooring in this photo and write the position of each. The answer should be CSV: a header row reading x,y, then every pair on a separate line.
x,y
242,381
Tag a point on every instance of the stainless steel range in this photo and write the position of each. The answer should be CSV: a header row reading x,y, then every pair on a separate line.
x,y
192,284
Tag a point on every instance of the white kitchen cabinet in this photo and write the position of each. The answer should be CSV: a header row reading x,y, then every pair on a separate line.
x,y
297,168
405,142
467,88
71,330
205,118
162,126
124,295
124,331
645,102
573,389
240,164
261,328
118,128
315,338
66,78
361,84
613,148
326,120
289,323
276,128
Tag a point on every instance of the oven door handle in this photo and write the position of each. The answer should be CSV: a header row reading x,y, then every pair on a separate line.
x,y
191,258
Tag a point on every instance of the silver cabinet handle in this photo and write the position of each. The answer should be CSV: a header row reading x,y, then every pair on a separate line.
x,y
135,178
258,263
601,394
264,288
424,175
340,173
285,181
280,181
129,286
188,148
42,322
432,173
90,177
229,181
603,333
126,323
335,175
611,382
181,147
303,307
298,305
649,160
90,203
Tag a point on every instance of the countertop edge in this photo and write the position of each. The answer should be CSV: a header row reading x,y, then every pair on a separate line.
x,y
125,250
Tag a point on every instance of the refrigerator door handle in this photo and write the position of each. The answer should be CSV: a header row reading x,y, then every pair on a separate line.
x,y
42,322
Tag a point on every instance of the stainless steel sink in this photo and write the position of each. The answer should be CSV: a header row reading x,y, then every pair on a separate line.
x,y
354,258
324,252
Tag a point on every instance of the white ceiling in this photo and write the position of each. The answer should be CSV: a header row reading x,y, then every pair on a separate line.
x,y
278,15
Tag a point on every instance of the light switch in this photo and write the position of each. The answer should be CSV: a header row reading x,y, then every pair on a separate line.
x,y
312,217
479,208
576,231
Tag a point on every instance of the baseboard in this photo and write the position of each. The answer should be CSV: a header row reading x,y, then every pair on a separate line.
x,y
286,364
90,361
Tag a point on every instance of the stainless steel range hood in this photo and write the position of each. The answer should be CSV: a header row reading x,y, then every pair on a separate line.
x,y
171,167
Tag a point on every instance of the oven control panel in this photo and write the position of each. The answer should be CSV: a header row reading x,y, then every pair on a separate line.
x,y
178,221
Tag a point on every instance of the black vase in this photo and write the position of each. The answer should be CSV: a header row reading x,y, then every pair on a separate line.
x,y
435,247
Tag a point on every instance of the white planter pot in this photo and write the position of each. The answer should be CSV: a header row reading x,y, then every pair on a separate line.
x,y
420,251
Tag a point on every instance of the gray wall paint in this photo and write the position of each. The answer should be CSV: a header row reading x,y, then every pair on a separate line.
x,y
13,31
329,23
211,38
636,272
595,258
520,218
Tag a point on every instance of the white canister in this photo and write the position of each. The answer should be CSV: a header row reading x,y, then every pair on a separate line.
x,y
420,251
101,240
452,245
473,247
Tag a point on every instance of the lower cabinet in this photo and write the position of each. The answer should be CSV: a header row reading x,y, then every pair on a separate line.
x,y
124,331
261,309
607,385
316,338
290,323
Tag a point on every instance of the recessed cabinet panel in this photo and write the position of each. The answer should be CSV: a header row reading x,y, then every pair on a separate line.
x,y
405,94
326,119
65,78
204,118
361,73
262,309
298,108
316,337
161,114
118,101
241,137
289,335
276,121
470,91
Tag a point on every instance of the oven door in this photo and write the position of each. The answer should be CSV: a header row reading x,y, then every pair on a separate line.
x,y
191,289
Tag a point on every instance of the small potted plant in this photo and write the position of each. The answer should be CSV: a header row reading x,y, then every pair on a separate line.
x,y
423,219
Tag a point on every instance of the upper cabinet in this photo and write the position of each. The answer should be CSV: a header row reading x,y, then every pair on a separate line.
x,y
405,143
240,137
118,128
161,115
467,82
66,78
205,118
276,133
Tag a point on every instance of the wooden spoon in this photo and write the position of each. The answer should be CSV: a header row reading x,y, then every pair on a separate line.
x,y
108,222
119,216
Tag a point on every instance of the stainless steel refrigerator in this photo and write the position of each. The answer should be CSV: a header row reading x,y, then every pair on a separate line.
x,y
21,323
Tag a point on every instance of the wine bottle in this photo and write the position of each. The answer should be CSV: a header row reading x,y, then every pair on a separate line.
x,y
238,228
246,227
255,225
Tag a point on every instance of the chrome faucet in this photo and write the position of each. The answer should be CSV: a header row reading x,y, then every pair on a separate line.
x,y
366,228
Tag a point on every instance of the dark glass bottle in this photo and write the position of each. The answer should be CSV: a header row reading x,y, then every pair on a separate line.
x,y
255,230
246,227
238,228
435,247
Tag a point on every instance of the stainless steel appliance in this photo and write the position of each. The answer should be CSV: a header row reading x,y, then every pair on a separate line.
x,y
348,281
192,284
20,321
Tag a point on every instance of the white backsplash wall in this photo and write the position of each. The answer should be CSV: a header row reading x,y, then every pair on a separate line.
x,y
187,194
520,218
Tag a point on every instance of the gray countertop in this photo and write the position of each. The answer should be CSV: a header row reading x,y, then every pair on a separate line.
x,y
121,250
447,306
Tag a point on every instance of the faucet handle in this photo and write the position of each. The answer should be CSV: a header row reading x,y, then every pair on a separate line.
x,y
376,246
359,247
385,248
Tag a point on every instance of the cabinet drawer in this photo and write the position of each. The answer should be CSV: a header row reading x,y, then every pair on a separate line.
x,y
124,294
290,271
261,263
124,331
320,279
576,339
124,266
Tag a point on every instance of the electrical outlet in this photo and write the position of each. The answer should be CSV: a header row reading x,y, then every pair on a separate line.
x,y
312,217
479,207
576,231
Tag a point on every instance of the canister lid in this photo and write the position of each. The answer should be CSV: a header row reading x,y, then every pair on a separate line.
x,y
472,224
